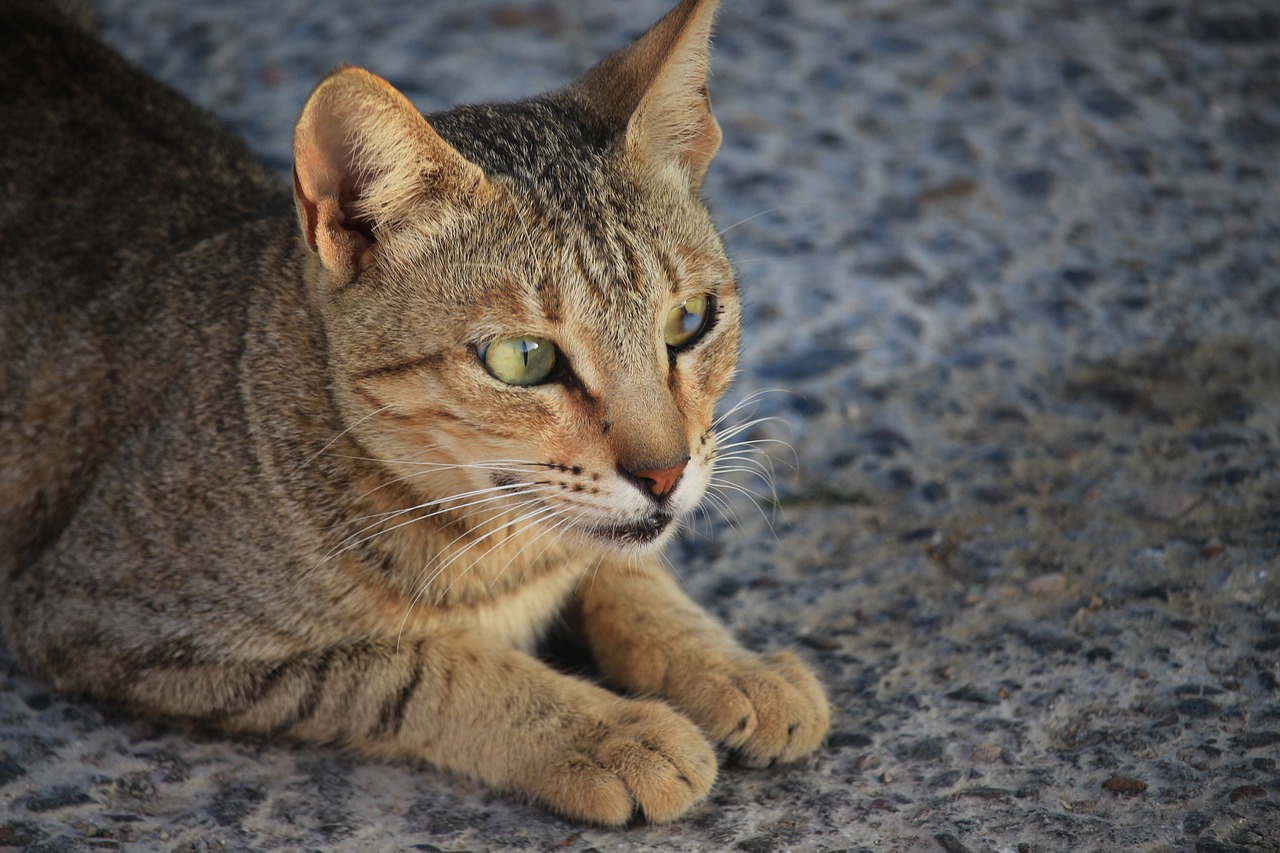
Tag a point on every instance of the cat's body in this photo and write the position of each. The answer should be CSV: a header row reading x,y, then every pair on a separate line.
x,y
297,484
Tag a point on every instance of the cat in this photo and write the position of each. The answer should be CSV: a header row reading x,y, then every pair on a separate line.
x,y
328,471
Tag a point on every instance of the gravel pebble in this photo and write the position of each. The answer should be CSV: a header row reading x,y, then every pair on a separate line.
x,y
1126,785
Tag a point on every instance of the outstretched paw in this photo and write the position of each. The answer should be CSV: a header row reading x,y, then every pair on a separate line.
x,y
641,757
766,709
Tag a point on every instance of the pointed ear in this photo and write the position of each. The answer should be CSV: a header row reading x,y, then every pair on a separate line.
x,y
655,91
364,162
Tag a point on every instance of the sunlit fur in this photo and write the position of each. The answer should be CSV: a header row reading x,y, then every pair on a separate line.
x,y
254,473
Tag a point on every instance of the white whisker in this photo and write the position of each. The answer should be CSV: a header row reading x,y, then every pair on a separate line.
x,y
541,512
725,231
593,572
566,520
737,262
755,442
753,465
514,490
331,441
423,585
389,514
737,429
752,398
754,497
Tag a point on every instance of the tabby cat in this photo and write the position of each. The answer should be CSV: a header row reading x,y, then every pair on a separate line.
x,y
330,472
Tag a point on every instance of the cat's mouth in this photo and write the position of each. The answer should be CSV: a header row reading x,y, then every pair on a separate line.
x,y
642,532
646,531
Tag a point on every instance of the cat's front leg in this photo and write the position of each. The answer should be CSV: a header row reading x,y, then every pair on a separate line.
x,y
458,702
650,638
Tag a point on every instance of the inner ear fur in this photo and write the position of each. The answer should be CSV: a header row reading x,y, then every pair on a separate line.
x,y
654,91
364,161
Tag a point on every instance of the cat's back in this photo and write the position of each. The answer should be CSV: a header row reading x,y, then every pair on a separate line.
x,y
102,168
109,185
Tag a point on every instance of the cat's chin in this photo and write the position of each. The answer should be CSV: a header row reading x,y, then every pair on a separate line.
x,y
645,533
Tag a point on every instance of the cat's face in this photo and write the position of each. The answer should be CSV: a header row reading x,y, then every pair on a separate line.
x,y
554,366
530,315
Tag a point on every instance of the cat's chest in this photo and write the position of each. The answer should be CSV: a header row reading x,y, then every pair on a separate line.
x,y
522,616
515,608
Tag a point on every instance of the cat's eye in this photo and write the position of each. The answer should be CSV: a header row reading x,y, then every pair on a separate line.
x,y
687,321
525,360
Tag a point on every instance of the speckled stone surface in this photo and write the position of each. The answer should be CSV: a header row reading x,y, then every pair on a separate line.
x,y
1013,271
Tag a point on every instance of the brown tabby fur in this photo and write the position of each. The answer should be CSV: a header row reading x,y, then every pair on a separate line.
x,y
262,480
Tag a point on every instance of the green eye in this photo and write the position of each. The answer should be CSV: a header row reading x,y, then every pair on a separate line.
x,y
687,321
525,360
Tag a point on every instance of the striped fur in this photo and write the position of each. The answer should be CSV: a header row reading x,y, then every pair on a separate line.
x,y
254,474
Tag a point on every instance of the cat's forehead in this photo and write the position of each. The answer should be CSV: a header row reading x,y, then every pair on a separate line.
x,y
614,253
576,237
534,142
558,274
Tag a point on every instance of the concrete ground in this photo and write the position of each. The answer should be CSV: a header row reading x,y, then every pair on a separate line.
x,y
1013,270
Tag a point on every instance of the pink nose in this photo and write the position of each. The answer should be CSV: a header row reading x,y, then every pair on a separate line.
x,y
662,480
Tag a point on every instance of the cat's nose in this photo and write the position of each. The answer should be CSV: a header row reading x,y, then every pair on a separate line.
x,y
659,481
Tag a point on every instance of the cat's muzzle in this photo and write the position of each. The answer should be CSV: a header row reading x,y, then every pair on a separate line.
x,y
642,532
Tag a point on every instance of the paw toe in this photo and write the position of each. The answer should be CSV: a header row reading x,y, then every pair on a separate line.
x,y
650,761
788,712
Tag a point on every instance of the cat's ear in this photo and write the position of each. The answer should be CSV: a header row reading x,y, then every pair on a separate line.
x,y
655,91
364,162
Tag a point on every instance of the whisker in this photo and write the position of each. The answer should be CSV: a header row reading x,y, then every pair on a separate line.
x,y
749,218
424,585
737,262
514,490
760,474
439,501
593,572
752,398
758,471
736,429
499,465
754,442
516,507
496,466
357,538
566,519
747,464
750,454
531,519
331,441
675,572
701,515
539,513
727,508
753,497
729,513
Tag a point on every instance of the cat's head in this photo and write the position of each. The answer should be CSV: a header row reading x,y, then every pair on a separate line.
x,y
528,308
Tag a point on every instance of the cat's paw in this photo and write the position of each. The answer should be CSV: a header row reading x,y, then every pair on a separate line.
x,y
766,709
639,757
